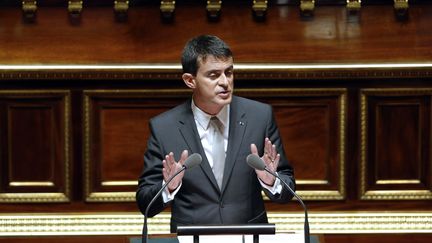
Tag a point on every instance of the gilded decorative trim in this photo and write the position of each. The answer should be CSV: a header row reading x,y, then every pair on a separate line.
x,y
119,183
214,6
67,141
111,196
389,182
343,110
242,71
167,8
353,5
75,6
29,8
86,143
366,194
339,194
323,194
312,182
307,6
401,4
259,8
114,196
121,6
42,197
131,223
31,183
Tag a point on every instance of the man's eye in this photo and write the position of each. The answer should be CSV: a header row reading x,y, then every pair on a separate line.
x,y
213,75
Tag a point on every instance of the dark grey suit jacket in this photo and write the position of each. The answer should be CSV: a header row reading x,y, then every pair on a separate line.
x,y
199,200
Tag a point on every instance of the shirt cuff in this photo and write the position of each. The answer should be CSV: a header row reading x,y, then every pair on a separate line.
x,y
275,189
166,195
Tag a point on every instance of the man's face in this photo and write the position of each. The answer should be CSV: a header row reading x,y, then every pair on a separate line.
x,y
214,83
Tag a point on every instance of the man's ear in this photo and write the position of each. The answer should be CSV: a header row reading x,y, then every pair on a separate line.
x,y
189,80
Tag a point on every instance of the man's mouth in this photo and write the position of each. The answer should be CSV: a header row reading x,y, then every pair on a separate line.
x,y
224,93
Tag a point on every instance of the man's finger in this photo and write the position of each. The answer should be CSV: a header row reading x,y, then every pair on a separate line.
x,y
273,152
164,173
184,155
276,163
165,166
254,149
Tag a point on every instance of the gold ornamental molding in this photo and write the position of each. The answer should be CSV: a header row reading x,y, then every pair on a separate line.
x,y
121,6
353,5
44,197
307,7
243,71
48,224
401,4
259,9
401,9
365,193
213,9
29,8
75,7
167,8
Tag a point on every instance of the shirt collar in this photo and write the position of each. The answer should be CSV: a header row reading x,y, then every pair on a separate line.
x,y
203,118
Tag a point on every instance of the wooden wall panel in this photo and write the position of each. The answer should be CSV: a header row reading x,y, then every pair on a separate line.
x,y
312,126
396,143
34,150
331,36
116,133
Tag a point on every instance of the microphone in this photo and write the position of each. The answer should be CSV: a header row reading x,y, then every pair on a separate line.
x,y
191,161
256,162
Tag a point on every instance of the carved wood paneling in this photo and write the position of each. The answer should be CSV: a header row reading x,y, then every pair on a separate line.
x,y
115,138
395,144
331,36
312,126
34,146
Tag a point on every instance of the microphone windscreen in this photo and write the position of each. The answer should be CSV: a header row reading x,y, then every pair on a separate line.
x,y
255,162
193,160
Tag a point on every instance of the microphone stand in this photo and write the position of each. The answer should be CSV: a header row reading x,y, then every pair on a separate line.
x,y
306,223
145,231
257,163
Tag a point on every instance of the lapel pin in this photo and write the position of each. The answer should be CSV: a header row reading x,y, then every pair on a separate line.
x,y
241,123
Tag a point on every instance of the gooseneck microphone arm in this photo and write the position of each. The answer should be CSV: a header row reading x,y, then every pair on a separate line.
x,y
190,162
256,162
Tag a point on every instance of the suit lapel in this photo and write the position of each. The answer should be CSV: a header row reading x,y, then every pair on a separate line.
x,y
237,129
191,137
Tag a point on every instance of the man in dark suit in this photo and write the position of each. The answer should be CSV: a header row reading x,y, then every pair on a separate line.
x,y
223,189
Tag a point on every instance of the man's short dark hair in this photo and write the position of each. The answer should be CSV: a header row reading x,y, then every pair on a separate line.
x,y
198,48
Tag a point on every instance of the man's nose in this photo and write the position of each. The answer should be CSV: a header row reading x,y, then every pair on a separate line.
x,y
223,81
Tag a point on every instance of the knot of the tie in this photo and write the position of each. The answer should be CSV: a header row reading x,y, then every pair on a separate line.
x,y
216,123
